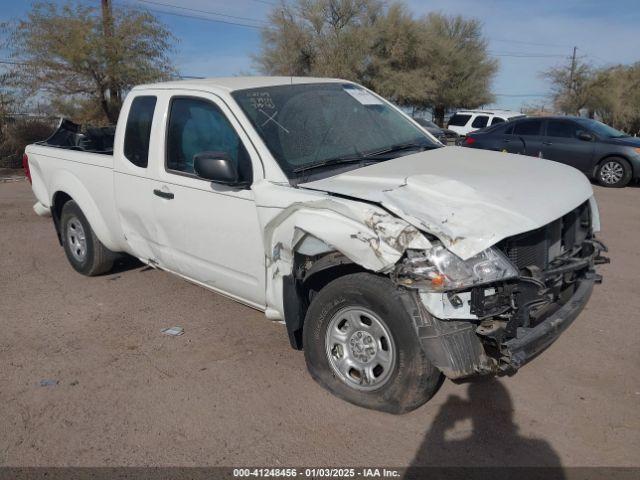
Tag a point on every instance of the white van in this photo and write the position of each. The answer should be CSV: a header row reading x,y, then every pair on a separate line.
x,y
466,121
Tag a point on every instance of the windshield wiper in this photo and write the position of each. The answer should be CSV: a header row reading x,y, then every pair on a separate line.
x,y
361,157
344,159
399,148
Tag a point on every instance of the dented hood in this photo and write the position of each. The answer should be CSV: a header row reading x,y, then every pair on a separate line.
x,y
470,199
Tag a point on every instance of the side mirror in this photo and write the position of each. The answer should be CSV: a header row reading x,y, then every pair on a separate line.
x,y
217,167
586,136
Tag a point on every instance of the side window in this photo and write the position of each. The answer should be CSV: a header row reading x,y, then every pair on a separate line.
x,y
196,126
527,127
480,121
138,131
497,120
560,128
459,120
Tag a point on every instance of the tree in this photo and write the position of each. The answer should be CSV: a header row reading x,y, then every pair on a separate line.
x,y
611,93
320,38
68,53
436,62
449,63
615,96
571,85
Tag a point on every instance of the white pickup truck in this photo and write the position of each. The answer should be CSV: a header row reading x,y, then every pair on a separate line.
x,y
391,259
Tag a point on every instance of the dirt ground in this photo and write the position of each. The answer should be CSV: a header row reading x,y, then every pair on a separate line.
x,y
87,379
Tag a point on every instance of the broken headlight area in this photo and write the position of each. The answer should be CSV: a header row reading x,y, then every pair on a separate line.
x,y
439,270
496,328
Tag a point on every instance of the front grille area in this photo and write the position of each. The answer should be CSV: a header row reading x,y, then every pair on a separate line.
x,y
538,248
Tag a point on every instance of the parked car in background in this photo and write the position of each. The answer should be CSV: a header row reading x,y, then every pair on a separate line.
x,y
444,135
601,152
466,121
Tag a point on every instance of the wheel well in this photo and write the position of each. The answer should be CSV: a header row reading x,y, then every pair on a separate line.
x,y
309,276
59,199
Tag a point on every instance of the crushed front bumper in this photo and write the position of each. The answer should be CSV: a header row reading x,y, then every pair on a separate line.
x,y
501,341
529,342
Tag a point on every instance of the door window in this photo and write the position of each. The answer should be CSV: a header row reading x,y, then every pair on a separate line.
x,y
138,131
497,120
480,121
527,127
560,128
196,126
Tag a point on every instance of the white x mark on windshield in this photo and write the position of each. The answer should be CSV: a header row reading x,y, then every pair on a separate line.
x,y
272,118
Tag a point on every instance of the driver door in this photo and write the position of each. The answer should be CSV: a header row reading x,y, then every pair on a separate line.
x,y
208,232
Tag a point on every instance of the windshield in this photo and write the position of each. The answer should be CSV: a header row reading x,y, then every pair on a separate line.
x,y
601,129
426,123
327,124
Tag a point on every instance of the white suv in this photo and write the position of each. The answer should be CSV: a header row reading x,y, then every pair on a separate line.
x,y
466,121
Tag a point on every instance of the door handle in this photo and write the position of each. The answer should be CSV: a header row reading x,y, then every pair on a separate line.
x,y
162,194
547,143
506,140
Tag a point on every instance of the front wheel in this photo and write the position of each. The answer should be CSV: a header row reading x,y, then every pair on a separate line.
x,y
614,172
361,345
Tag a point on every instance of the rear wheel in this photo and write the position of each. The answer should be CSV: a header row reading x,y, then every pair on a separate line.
x,y
361,345
85,252
614,172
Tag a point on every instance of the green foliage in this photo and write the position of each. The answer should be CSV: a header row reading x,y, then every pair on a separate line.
x,y
435,62
16,135
571,87
66,54
320,37
612,93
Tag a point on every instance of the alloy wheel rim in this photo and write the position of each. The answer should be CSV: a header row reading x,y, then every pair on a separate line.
x,y
360,348
76,239
611,172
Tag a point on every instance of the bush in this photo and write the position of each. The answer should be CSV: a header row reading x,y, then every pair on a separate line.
x,y
15,136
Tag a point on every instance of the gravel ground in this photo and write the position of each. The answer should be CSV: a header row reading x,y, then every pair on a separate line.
x,y
87,379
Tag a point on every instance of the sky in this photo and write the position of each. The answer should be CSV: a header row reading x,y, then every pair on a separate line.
x,y
527,37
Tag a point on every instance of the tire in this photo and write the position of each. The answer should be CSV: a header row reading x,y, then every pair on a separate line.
x,y
614,172
395,386
85,252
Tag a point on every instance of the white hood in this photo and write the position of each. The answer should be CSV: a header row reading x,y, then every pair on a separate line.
x,y
470,199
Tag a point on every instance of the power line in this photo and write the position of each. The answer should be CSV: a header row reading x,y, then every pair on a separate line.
x,y
208,12
185,15
520,42
526,55
520,95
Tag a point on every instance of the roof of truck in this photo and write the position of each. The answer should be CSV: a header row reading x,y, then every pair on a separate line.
x,y
230,84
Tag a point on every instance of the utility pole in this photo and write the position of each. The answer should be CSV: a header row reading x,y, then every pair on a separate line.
x,y
573,69
107,30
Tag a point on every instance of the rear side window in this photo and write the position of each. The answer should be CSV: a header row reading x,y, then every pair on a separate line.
x,y
459,120
480,121
497,120
197,126
527,127
561,128
138,131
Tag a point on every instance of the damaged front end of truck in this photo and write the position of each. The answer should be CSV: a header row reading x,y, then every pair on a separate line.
x,y
487,314
542,279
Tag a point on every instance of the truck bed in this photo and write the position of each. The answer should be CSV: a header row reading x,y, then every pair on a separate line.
x,y
85,176
71,136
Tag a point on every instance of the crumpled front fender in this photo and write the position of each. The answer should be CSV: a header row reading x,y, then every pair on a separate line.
x,y
367,235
